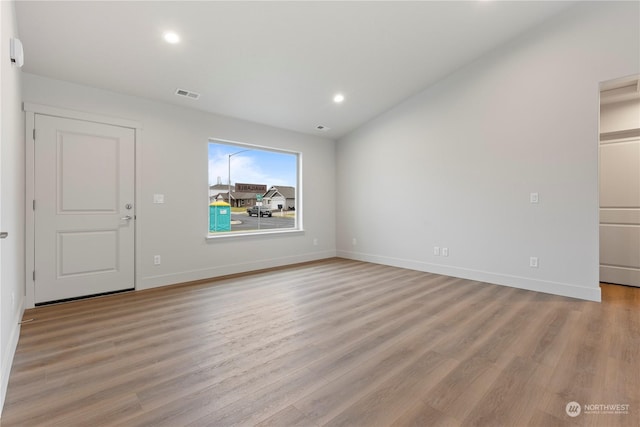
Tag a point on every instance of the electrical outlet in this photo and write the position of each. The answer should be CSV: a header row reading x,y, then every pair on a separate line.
x,y
445,251
354,241
157,260
533,262
315,241
436,250
158,198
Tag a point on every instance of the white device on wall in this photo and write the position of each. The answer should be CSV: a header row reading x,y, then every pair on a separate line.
x,y
16,52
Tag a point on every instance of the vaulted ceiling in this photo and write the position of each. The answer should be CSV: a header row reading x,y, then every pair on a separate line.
x,y
276,63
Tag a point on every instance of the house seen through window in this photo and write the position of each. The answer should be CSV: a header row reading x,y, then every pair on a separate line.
x,y
251,189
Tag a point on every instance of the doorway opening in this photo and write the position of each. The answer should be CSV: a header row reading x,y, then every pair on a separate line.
x,y
619,181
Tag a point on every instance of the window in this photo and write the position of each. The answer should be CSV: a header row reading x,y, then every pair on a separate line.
x,y
252,189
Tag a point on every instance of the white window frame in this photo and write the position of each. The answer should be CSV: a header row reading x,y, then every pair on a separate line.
x,y
298,227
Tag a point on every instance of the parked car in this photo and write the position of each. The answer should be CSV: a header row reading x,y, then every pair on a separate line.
x,y
258,210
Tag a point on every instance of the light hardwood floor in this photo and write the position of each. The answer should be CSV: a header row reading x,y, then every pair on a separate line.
x,y
337,342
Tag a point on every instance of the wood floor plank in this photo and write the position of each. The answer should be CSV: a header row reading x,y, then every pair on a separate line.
x,y
289,417
394,397
420,415
334,342
505,401
328,401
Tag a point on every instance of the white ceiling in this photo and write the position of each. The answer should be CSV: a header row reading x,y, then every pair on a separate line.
x,y
277,63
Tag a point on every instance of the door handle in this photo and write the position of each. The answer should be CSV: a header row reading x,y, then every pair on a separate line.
x,y
126,218
4,235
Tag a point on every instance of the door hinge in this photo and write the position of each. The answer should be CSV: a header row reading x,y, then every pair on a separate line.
x,y
34,275
34,134
34,205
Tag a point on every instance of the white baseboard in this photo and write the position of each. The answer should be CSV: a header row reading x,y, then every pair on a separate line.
x,y
224,270
548,287
7,357
621,275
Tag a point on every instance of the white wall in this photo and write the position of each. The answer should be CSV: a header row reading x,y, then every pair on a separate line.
x,y
474,146
173,161
12,193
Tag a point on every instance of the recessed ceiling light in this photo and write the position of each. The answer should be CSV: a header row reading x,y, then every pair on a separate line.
x,y
171,37
338,98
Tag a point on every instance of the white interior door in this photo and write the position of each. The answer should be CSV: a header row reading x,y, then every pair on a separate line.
x,y
620,211
84,213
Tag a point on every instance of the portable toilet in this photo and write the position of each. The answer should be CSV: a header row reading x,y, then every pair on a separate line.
x,y
219,216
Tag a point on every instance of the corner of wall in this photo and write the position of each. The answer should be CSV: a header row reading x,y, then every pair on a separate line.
x,y
12,170
8,354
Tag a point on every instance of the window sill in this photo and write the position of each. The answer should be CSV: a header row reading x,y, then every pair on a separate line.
x,y
244,234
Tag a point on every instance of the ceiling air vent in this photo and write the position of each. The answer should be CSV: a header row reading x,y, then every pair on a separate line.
x,y
187,93
322,128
